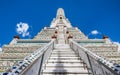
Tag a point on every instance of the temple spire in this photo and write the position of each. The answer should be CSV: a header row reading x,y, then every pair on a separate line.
x,y
60,19
60,13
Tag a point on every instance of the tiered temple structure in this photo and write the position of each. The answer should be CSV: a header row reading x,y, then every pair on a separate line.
x,y
60,49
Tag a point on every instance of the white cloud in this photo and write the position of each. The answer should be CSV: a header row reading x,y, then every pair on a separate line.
x,y
118,45
0,49
22,28
94,32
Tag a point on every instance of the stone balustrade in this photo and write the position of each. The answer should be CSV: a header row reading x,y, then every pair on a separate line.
x,y
77,34
108,51
13,55
45,34
19,49
4,65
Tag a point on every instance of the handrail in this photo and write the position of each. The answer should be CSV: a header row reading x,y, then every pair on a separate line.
x,y
86,50
94,61
22,66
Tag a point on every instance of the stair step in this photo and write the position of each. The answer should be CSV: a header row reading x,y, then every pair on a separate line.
x,y
65,71
62,52
63,49
62,46
67,59
65,74
64,64
68,55
64,57
64,61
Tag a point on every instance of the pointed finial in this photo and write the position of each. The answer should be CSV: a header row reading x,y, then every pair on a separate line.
x,y
60,13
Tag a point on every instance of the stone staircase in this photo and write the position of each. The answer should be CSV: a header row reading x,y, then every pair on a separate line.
x,y
63,61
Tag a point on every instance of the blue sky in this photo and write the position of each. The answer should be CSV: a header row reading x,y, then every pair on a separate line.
x,y
88,15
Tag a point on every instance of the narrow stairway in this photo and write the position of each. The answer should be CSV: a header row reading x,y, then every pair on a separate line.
x,y
63,61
